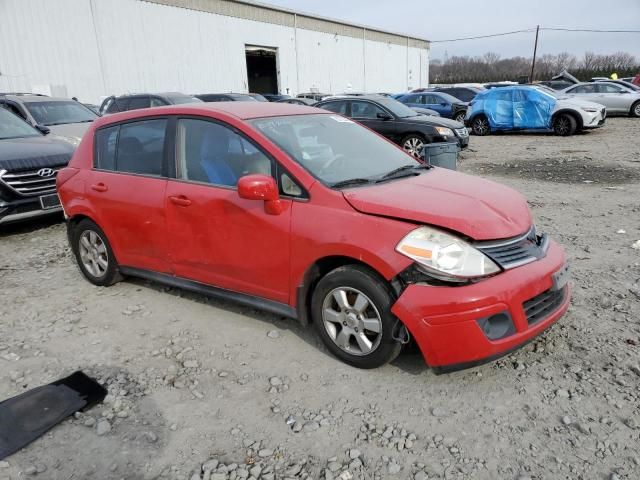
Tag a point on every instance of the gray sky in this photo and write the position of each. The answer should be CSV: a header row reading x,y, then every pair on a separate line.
x,y
466,18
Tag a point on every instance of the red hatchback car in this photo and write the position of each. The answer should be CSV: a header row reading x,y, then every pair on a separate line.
x,y
307,214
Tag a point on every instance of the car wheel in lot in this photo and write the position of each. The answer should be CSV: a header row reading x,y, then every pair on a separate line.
x,y
480,126
635,109
564,125
413,145
460,117
351,310
94,255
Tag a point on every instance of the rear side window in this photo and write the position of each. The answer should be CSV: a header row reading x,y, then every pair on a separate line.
x,y
106,140
139,102
136,147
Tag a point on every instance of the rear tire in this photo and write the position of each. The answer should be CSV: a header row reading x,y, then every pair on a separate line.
x,y
564,125
635,110
94,255
480,126
351,311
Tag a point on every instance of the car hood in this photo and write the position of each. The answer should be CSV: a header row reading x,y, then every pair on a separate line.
x,y
71,130
571,101
477,208
34,152
440,121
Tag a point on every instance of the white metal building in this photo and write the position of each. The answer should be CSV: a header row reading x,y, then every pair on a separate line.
x,y
94,48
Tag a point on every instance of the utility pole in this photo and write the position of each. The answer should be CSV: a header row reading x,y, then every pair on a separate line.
x,y
535,50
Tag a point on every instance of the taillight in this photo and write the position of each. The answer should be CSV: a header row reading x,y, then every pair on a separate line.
x,y
64,175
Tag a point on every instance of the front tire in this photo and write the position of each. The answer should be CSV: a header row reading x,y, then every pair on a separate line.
x,y
351,311
460,116
564,125
480,126
93,254
635,110
413,145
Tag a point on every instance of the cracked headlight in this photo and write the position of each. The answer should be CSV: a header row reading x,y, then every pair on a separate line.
x,y
445,256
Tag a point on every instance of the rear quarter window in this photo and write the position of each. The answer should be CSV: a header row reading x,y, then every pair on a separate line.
x,y
106,140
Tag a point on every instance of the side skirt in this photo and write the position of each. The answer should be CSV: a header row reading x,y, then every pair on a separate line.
x,y
215,292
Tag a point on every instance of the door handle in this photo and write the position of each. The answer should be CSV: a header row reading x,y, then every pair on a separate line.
x,y
99,187
181,201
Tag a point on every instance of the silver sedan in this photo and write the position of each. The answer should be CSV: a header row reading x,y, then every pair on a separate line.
x,y
617,98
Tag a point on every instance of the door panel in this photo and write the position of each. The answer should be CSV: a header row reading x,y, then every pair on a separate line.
x,y
223,240
367,114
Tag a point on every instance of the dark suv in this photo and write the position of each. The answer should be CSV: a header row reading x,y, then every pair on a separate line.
x,y
123,103
466,94
397,122
29,163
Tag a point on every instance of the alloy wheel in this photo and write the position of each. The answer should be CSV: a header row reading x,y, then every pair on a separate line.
x,y
460,118
636,110
93,253
413,146
352,321
481,126
562,125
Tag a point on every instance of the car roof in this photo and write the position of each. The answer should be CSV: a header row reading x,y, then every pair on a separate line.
x,y
240,110
27,98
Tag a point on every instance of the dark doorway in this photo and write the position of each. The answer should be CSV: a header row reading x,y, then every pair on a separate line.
x,y
262,71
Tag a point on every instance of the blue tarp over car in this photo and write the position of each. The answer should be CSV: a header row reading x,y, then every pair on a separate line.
x,y
518,107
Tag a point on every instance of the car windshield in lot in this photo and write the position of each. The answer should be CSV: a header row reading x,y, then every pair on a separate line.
x,y
59,113
182,100
399,109
13,127
335,149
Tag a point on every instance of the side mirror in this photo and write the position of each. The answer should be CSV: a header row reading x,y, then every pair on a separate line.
x,y
44,130
384,116
261,187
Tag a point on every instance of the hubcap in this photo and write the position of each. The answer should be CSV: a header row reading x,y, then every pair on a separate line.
x,y
413,146
93,253
637,110
352,321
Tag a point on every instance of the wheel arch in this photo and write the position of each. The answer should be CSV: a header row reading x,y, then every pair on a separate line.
x,y
319,269
75,219
575,115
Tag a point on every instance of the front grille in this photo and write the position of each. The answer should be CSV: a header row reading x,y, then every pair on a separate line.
x,y
462,132
516,251
30,182
541,306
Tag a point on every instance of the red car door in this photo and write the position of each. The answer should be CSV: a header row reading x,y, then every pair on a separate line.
x,y
127,191
216,237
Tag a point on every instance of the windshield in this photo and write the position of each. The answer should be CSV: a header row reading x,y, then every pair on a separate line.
x,y
243,98
11,126
333,148
399,109
549,91
185,99
59,112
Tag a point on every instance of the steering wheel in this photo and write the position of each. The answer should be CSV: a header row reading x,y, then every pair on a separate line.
x,y
338,158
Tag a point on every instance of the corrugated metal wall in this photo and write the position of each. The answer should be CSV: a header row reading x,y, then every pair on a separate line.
x,y
94,48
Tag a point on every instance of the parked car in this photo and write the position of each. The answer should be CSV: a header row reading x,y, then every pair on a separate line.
x,y
618,99
64,117
275,97
137,101
299,101
464,94
29,162
314,96
425,111
393,120
259,97
622,83
443,103
530,108
556,84
225,97
310,215
94,108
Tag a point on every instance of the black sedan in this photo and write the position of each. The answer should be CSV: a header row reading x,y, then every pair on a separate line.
x,y
397,122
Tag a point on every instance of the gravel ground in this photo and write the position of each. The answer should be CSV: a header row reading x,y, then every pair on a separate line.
x,y
207,390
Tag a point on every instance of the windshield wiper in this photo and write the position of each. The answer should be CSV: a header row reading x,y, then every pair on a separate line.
x,y
350,181
406,169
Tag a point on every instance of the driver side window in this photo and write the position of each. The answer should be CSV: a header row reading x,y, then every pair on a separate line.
x,y
365,110
209,152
